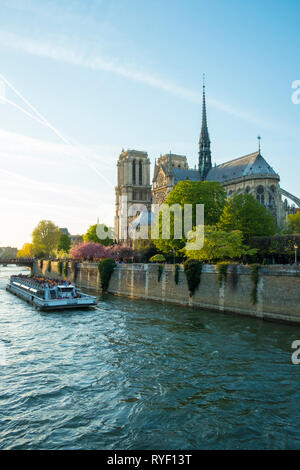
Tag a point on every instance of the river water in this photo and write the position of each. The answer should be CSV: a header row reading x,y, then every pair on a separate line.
x,y
142,375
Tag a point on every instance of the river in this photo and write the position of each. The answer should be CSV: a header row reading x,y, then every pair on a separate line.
x,y
141,375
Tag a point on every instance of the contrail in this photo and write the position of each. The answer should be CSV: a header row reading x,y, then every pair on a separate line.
x,y
42,120
5,100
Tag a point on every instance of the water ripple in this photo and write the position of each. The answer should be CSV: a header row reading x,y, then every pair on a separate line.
x,y
141,375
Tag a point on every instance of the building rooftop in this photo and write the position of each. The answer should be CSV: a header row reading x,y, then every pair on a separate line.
x,y
181,174
249,165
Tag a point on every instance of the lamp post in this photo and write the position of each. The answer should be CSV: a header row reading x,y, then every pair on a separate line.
x,y
296,248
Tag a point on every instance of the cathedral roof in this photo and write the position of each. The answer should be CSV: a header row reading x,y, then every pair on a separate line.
x,y
248,166
181,174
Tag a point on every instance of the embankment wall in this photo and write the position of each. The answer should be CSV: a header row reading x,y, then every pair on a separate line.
x,y
278,288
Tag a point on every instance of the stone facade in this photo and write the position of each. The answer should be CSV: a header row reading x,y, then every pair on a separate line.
x,y
250,174
133,187
164,175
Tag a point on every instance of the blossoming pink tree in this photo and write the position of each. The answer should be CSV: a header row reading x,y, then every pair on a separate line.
x,y
96,251
89,250
121,252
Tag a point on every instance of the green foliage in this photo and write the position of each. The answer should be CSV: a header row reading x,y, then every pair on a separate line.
x,y
159,272
209,193
221,245
45,238
244,213
293,223
193,270
222,268
25,252
60,267
105,268
66,269
254,274
64,243
63,254
49,266
279,246
144,250
176,273
91,234
157,259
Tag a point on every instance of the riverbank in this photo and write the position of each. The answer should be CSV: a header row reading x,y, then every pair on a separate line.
x,y
276,290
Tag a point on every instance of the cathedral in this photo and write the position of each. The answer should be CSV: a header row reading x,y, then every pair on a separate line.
x,y
249,174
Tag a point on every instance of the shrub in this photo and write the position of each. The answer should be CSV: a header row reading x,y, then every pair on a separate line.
x,y
222,268
157,259
106,268
160,271
66,269
193,270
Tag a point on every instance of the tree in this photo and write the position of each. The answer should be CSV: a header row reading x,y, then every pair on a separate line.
x,y
26,251
221,245
280,248
144,249
45,238
243,212
89,250
63,254
293,223
209,193
92,250
91,234
64,243
120,252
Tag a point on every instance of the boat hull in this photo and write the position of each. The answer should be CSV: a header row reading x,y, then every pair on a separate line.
x,y
48,305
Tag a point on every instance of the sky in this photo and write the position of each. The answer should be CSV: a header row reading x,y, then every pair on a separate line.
x,y
82,79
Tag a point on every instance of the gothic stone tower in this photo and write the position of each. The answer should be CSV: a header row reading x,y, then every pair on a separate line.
x,y
134,183
204,144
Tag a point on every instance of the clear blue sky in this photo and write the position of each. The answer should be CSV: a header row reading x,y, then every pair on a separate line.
x,y
127,73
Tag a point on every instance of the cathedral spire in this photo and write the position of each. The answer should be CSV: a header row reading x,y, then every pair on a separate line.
x,y
259,147
204,141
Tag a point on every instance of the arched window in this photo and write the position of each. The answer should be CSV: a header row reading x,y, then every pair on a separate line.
x,y
133,172
247,190
260,195
271,200
140,172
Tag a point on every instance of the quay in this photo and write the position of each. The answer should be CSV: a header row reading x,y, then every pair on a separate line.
x,y
277,289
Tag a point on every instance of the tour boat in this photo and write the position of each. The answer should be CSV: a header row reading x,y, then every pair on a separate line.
x,y
49,294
